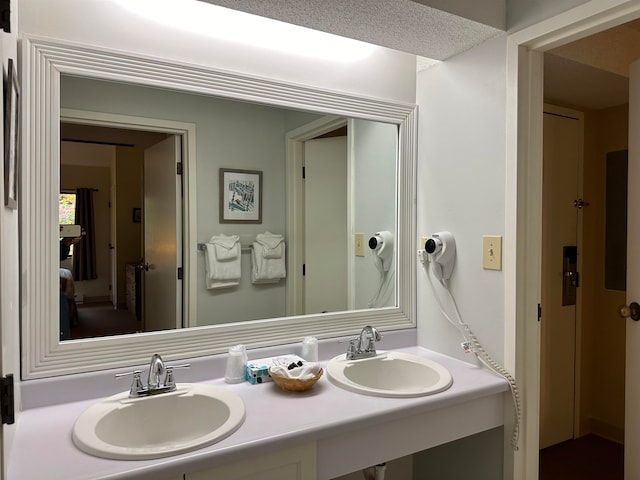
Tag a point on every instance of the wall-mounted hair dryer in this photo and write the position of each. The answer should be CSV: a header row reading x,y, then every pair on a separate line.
x,y
381,245
441,248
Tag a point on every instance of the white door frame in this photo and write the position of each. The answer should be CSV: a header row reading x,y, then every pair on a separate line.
x,y
295,206
524,189
188,133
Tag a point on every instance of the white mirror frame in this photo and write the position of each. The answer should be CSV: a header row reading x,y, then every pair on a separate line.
x,y
43,355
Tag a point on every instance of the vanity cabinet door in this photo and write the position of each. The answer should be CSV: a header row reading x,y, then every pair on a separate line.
x,y
297,463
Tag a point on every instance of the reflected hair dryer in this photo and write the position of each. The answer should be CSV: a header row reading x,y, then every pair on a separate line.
x,y
381,245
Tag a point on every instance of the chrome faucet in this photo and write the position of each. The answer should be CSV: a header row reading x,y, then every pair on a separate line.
x,y
364,346
154,386
156,369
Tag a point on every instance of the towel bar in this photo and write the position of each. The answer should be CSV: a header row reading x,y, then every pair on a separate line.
x,y
244,248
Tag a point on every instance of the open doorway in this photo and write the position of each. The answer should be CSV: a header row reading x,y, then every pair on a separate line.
x,y
590,77
110,162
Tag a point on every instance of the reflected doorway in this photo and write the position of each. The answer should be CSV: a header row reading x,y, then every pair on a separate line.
x,y
111,161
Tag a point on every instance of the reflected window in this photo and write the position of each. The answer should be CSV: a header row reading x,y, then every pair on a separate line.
x,y
67,211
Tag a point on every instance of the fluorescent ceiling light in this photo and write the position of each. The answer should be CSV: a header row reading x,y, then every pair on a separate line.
x,y
231,25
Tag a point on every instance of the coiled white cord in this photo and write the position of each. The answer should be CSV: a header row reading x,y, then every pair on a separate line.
x,y
483,356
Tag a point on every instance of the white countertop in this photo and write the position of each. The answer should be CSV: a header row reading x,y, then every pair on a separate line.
x,y
275,420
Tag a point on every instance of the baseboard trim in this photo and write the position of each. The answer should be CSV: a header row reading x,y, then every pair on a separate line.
x,y
101,299
603,429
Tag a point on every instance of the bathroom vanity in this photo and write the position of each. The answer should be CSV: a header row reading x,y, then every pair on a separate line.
x,y
322,433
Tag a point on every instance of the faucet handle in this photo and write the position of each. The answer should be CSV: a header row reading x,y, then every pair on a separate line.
x,y
169,379
352,349
136,383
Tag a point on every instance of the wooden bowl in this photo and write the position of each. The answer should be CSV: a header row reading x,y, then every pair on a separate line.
x,y
294,384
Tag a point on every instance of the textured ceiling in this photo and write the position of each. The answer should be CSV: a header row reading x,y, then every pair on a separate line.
x,y
398,24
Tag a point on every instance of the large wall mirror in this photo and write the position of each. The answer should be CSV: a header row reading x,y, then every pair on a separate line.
x,y
106,123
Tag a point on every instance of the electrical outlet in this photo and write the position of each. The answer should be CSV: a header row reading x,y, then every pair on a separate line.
x,y
492,252
359,244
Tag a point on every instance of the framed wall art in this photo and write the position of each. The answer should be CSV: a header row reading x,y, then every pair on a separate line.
x,y
240,196
11,137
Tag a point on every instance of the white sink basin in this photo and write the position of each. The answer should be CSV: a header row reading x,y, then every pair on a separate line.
x,y
193,416
389,374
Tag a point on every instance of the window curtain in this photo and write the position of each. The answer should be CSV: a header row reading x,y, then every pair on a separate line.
x,y
84,252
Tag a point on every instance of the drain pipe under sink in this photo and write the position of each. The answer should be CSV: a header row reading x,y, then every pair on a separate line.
x,y
375,473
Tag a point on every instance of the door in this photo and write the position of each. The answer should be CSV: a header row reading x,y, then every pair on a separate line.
x,y
162,238
632,360
326,232
113,235
562,153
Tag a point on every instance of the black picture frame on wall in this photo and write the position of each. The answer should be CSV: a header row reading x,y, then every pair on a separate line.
x,y
240,196
11,136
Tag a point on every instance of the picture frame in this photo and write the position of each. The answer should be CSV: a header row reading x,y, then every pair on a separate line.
x,y
240,196
136,215
11,136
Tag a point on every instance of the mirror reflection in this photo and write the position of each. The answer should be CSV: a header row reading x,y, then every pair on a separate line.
x,y
325,234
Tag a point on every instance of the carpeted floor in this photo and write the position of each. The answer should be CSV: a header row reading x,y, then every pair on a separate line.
x,y
101,319
586,458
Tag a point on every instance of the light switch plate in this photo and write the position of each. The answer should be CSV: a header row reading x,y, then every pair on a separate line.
x,y
492,252
359,244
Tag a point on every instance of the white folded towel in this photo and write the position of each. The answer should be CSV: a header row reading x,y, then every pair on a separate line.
x,y
305,372
226,247
266,269
223,261
272,244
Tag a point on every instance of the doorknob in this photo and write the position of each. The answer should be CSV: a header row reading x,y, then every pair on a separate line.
x,y
632,311
143,266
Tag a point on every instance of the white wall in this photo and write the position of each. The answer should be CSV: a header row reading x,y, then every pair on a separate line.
x,y
461,188
384,73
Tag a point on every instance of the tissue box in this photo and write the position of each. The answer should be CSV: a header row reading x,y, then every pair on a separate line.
x,y
257,371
